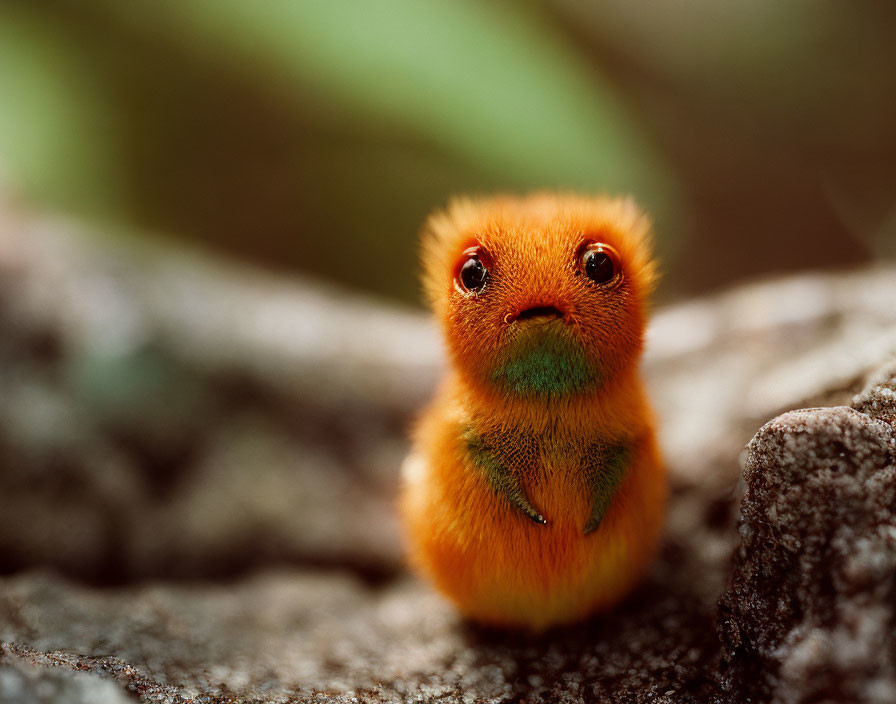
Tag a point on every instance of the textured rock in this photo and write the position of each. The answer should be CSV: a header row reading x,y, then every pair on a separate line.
x,y
294,636
23,682
811,611
878,398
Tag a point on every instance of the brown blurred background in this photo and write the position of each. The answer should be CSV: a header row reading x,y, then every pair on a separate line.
x,y
212,350
204,205
316,135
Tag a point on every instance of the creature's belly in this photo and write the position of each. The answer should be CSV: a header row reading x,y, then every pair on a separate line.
x,y
500,567
553,572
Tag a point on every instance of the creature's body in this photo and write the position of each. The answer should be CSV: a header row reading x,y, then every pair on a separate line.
x,y
535,493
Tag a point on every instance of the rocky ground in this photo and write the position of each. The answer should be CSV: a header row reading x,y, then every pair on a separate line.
x,y
198,464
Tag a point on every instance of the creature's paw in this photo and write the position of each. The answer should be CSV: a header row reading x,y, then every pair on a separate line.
x,y
508,487
503,480
604,477
593,523
530,512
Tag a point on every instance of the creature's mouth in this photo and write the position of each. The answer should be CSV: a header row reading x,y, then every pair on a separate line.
x,y
534,313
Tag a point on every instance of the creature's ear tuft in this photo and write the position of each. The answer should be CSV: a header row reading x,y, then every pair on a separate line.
x,y
448,232
637,226
618,220
442,238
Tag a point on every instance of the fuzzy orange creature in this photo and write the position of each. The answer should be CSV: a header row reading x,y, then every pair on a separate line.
x,y
535,493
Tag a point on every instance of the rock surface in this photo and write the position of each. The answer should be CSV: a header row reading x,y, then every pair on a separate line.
x,y
27,682
298,635
206,458
811,611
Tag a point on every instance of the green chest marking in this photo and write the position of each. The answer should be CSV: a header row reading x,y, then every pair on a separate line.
x,y
508,459
544,360
504,467
604,477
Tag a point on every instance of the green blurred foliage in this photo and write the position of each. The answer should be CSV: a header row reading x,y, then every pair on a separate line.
x,y
317,134
53,117
482,81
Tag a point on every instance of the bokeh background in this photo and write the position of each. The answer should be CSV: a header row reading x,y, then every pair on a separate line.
x,y
211,345
316,135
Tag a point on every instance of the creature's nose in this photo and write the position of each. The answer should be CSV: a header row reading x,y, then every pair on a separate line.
x,y
534,312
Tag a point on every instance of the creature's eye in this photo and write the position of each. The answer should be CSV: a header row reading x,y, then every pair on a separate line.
x,y
472,275
600,263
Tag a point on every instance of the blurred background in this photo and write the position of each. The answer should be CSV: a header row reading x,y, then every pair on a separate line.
x,y
205,205
316,135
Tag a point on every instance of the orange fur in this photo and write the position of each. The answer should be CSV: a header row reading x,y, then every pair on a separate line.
x,y
497,565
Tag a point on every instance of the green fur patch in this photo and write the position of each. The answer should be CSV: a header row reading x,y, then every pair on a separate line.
x,y
505,482
604,477
545,360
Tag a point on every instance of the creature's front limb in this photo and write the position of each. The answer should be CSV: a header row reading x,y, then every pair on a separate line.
x,y
503,480
605,472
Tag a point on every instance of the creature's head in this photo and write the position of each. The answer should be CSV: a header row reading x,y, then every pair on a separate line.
x,y
540,296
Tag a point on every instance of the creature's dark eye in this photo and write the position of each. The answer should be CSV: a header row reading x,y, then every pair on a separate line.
x,y
472,276
600,262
